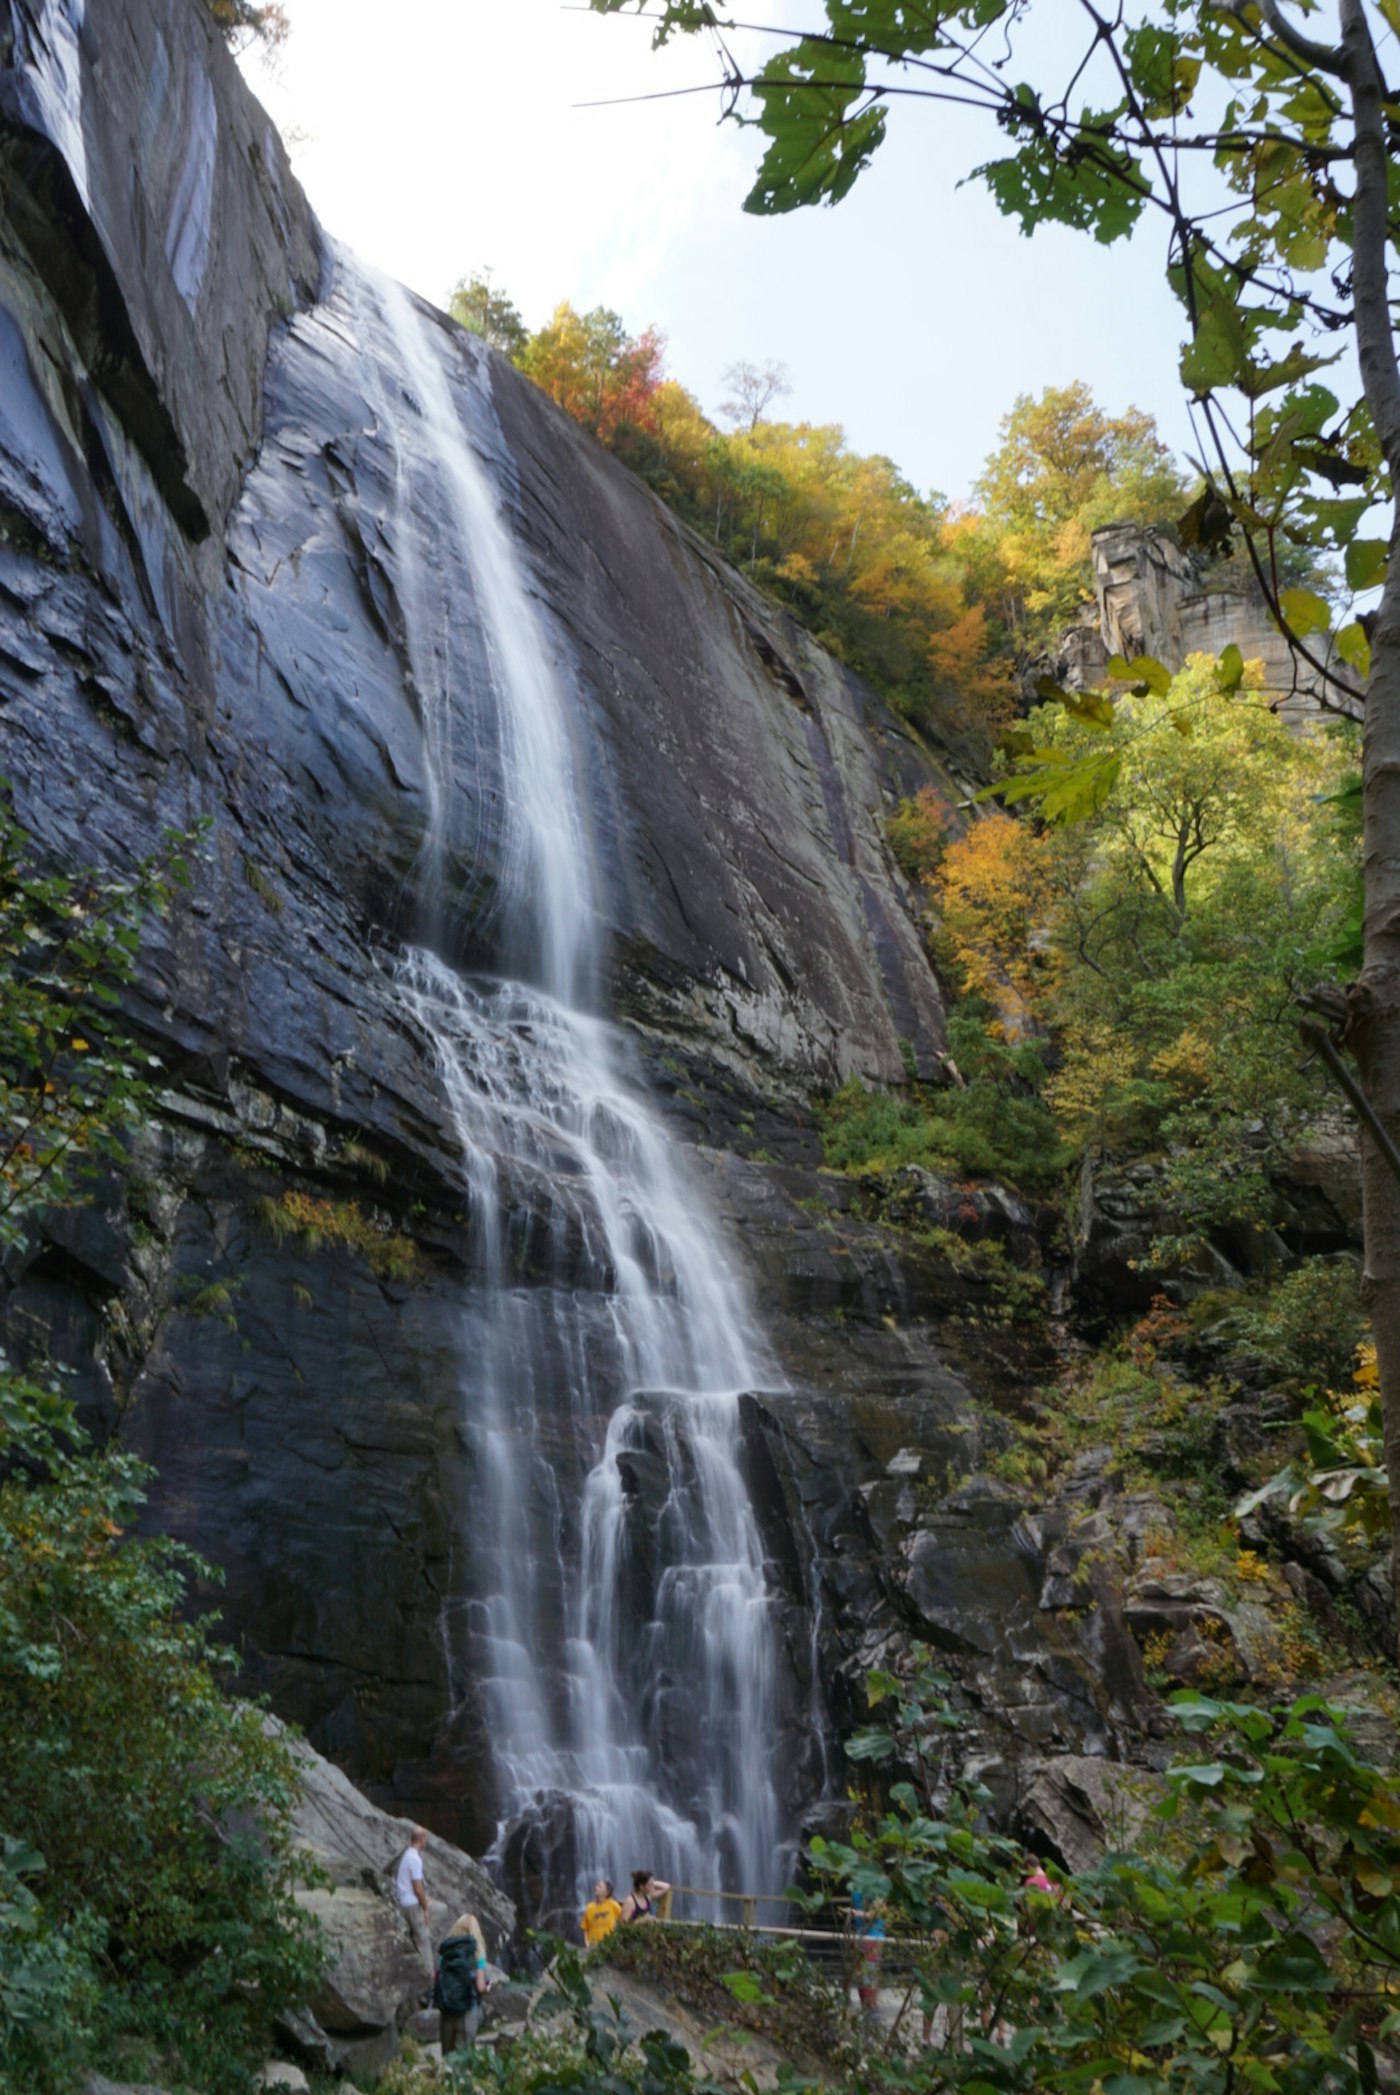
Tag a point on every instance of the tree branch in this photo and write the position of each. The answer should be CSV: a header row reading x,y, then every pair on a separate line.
x,y
1325,57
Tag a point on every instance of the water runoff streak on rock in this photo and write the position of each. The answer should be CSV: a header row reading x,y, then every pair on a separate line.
x,y
621,1631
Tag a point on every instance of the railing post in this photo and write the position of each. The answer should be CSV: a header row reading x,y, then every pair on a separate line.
x,y
750,1913
663,1906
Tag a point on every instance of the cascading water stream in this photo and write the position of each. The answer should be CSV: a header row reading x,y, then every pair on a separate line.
x,y
620,1632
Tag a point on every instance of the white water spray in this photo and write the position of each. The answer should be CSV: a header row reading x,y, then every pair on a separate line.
x,y
621,1633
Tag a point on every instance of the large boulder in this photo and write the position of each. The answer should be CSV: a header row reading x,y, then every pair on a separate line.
x,y
373,1979
373,1972
357,1846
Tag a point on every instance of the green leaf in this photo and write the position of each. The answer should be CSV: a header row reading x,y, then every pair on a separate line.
x,y
1161,2029
1218,351
745,1987
1092,708
1094,1971
1206,1774
1229,668
1339,518
1305,611
1067,791
1365,563
1208,523
1355,649
1085,182
814,106
1262,377
870,1744
1296,1965
1196,1712
1145,670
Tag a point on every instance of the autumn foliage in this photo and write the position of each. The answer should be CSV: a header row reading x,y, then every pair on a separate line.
x,y
933,603
995,887
595,370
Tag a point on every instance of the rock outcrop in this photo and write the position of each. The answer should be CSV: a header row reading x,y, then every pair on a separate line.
x,y
1154,598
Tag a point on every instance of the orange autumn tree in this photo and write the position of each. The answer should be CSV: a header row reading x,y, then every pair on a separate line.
x,y
594,369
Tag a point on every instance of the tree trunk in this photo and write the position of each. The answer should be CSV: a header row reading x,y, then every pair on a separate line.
x,y
1374,1029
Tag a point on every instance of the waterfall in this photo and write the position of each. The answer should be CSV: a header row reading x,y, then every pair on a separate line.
x,y
619,1633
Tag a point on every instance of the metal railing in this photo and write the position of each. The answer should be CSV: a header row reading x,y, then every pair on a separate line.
x,y
842,1943
748,1903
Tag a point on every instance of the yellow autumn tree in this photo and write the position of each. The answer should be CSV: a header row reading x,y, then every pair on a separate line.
x,y
1062,468
994,894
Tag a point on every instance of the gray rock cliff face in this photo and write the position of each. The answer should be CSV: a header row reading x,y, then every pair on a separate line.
x,y
209,591
1153,598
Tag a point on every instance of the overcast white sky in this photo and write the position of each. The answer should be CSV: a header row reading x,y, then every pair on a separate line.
x,y
438,137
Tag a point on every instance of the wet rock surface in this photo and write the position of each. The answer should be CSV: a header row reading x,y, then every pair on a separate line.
x,y
205,597
870,1475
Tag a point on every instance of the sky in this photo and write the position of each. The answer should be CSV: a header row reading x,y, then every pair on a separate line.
x,y
442,137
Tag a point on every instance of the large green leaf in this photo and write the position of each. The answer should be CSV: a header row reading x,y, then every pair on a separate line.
x,y
815,108
1144,670
1067,789
1229,670
1366,563
1305,611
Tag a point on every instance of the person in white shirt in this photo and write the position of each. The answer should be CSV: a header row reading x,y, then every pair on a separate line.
x,y
412,1895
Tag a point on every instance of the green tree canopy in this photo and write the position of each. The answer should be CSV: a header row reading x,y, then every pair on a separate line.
x,y
477,304
1063,468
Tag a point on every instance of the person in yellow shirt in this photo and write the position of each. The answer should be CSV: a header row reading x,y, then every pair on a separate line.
x,y
601,1914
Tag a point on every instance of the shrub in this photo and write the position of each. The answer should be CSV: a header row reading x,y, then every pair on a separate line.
x,y
995,1127
1307,1327
1250,1940
159,1807
918,833
48,1990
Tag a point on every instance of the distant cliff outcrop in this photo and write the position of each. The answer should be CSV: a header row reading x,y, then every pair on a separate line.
x,y
1151,597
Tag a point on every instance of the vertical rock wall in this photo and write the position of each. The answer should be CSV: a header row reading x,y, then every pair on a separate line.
x,y
202,614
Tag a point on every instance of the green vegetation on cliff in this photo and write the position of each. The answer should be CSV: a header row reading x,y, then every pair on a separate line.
x,y
145,1866
1127,982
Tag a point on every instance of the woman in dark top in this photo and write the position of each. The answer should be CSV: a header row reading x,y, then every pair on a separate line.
x,y
645,1887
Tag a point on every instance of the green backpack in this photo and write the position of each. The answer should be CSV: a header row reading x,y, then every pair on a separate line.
x,y
454,1989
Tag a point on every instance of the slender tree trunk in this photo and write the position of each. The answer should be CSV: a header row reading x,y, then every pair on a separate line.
x,y
1179,878
1374,1030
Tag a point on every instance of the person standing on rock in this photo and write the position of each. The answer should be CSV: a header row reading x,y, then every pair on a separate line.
x,y
460,1984
412,1895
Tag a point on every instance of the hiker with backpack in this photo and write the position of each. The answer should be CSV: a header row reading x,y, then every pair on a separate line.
x,y
460,1982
